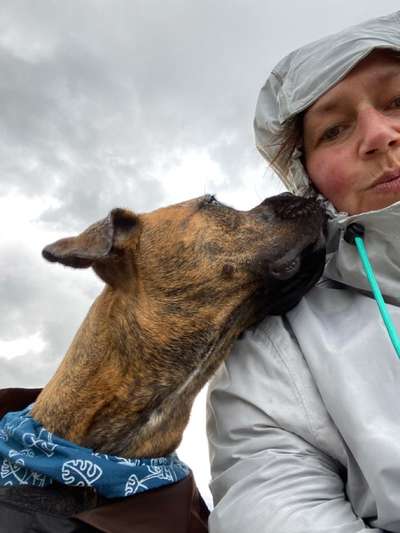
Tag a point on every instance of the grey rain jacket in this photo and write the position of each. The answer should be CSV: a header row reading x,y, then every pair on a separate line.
x,y
304,416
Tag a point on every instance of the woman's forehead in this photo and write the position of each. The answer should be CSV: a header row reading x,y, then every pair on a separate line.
x,y
379,68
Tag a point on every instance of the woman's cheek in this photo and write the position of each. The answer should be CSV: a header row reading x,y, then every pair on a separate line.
x,y
329,172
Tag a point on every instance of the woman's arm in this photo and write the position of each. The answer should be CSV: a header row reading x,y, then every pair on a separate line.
x,y
268,474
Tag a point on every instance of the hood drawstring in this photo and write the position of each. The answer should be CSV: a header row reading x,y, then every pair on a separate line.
x,y
354,235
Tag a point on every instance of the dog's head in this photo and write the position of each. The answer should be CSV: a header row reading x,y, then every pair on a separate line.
x,y
182,283
203,256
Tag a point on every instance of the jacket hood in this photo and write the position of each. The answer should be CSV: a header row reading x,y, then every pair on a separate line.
x,y
304,75
382,241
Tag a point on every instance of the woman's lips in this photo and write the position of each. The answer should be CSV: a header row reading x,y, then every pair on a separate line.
x,y
388,182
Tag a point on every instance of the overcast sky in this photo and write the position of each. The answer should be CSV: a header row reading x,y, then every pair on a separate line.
x,y
131,103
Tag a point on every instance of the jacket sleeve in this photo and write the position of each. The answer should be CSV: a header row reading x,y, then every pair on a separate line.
x,y
268,474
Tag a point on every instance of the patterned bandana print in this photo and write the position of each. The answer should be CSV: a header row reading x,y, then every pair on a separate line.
x,y
30,455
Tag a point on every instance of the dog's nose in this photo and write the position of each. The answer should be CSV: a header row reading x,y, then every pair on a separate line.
x,y
277,197
287,206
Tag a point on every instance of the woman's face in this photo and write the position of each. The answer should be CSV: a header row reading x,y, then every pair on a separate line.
x,y
352,137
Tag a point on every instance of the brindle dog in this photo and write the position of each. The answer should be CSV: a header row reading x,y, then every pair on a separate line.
x,y
182,283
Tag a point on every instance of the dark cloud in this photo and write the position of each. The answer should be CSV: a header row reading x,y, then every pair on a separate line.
x,y
95,92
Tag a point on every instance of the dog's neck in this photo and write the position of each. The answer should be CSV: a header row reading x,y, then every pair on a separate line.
x,y
127,383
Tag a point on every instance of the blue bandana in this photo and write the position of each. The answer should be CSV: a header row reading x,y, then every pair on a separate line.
x,y
31,455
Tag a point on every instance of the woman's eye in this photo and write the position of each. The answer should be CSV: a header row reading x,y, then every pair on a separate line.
x,y
395,103
332,133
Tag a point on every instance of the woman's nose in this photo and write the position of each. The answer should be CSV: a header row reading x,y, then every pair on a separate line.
x,y
379,133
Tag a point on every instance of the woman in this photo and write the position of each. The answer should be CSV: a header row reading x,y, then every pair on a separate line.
x,y
304,417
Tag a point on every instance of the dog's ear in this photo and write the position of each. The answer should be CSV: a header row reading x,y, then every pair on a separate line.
x,y
105,238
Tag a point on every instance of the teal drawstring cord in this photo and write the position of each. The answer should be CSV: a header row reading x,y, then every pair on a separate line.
x,y
354,235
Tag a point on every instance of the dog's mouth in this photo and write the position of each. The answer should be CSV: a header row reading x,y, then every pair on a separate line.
x,y
294,260
286,267
294,275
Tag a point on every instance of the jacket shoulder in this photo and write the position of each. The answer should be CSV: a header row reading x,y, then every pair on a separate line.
x,y
265,380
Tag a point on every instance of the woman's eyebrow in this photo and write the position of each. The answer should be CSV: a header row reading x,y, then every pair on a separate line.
x,y
334,104
322,112
326,107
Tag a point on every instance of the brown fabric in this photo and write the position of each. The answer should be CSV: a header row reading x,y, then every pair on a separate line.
x,y
199,513
177,508
16,399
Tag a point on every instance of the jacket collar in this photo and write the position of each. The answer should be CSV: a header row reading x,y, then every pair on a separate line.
x,y
382,240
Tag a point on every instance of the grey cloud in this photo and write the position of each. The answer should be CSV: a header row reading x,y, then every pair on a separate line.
x,y
124,80
36,296
18,372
